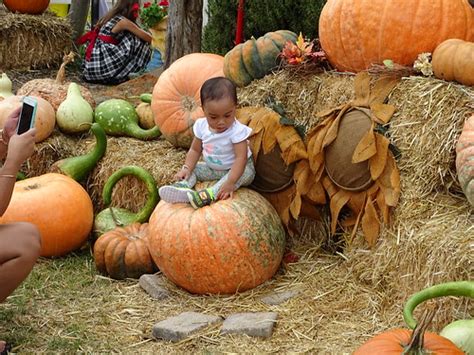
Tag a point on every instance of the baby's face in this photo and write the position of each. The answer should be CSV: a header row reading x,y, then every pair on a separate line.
x,y
220,114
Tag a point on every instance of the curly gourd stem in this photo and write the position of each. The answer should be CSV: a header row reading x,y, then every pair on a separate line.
x,y
456,288
153,197
61,75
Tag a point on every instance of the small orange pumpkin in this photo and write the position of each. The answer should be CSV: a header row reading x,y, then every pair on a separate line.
x,y
45,115
453,60
232,245
397,340
58,206
33,7
176,100
123,252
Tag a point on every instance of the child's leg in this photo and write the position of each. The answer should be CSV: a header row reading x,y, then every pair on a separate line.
x,y
20,246
246,179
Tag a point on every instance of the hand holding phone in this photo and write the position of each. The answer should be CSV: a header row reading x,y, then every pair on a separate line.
x,y
27,115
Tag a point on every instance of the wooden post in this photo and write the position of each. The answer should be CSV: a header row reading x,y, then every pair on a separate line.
x,y
94,12
240,22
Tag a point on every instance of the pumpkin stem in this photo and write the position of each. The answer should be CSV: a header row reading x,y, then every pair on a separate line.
x,y
61,75
416,341
456,288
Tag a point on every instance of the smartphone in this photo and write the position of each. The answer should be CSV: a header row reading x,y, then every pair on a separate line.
x,y
27,115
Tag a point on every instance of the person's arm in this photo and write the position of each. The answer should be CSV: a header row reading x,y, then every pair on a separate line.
x,y
236,171
192,157
126,25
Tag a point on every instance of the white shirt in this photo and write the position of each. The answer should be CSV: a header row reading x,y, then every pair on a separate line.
x,y
218,148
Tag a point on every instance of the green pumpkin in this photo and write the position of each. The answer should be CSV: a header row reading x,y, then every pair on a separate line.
x,y
119,118
255,58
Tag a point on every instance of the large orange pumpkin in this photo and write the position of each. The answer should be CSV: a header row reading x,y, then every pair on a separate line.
x,y
397,340
465,159
45,115
58,206
33,7
176,95
232,245
454,60
356,34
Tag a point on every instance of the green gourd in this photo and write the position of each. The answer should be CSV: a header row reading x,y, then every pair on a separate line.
x,y
5,86
78,168
146,97
74,114
460,332
119,118
111,217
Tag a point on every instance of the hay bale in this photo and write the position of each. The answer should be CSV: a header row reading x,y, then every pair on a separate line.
x,y
33,41
159,157
429,118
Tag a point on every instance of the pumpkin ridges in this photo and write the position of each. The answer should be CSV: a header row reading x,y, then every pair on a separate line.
x,y
234,68
33,7
115,253
404,37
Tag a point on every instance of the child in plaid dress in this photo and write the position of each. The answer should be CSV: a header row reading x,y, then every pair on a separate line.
x,y
223,143
117,46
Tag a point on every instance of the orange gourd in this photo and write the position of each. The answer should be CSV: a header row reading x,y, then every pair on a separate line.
x,y
465,159
453,60
58,206
396,341
45,115
176,96
356,34
232,245
123,252
32,7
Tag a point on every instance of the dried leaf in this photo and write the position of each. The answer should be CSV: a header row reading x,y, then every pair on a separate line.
x,y
295,206
337,202
316,193
362,89
366,147
333,128
357,202
382,113
389,181
384,209
329,186
382,88
256,143
370,223
271,123
301,176
291,145
309,210
378,161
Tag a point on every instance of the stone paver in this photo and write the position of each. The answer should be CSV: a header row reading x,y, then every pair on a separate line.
x,y
259,324
154,286
183,325
276,298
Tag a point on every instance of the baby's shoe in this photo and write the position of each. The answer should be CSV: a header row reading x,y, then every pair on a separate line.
x,y
201,198
176,193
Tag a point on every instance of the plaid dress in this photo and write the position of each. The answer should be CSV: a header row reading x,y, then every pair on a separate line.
x,y
111,63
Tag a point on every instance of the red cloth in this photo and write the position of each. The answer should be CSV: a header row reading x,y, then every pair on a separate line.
x,y
91,37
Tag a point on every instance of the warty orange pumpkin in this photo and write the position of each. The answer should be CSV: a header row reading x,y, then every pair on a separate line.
x,y
32,7
123,252
45,115
465,159
356,34
232,245
453,60
176,95
60,208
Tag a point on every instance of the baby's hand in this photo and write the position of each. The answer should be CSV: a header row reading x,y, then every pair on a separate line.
x,y
226,191
183,174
